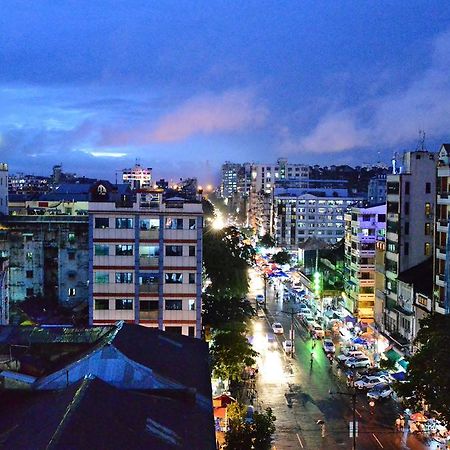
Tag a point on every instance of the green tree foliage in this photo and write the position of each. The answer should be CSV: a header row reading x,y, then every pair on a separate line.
x,y
227,257
428,375
231,352
267,241
219,311
249,434
281,258
387,364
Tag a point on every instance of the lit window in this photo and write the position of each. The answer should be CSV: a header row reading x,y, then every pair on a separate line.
x,y
124,223
124,277
174,305
71,292
173,278
124,250
173,224
124,304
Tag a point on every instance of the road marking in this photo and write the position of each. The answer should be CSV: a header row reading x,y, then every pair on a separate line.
x,y
357,412
379,443
299,440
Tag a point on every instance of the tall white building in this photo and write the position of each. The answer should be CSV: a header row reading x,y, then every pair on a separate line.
x,y
138,177
4,188
364,227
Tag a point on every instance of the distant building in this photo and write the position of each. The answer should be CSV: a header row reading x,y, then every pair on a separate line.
x,y
376,194
138,177
363,228
3,188
230,179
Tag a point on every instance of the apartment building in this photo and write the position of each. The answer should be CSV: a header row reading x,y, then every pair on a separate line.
x,y
442,243
364,226
138,177
409,234
376,191
146,261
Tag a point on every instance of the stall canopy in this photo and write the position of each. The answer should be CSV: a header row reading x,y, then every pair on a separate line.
x,y
403,363
392,355
350,319
399,376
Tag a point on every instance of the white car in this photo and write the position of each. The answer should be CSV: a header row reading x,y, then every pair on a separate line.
x,y
260,299
287,345
369,381
382,390
352,353
317,330
358,361
328,346
277,328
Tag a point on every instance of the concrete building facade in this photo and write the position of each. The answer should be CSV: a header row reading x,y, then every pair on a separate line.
x,y
138,177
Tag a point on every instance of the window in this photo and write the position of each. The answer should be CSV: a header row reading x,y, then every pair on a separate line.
x,y
29,256
174,330
406,248
427,249
192,278
406,207
406,228
124,277
173,224
71,254
149,305
173,278
427,229
407,187
149,224
101,304
428,209
101,277
392,207
29,274
101,222
192,250
174,250
392,187
382,218
124,250
71,238
124,223
192,224
124,303
101,250
29,292
71,292
149,251
191,331
174,305
191,305
427,188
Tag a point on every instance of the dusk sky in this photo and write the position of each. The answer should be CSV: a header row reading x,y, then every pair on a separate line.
x,y
185,85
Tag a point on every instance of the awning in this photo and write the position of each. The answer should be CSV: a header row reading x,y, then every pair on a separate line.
x,y
392,355
403,363
399,376
350,319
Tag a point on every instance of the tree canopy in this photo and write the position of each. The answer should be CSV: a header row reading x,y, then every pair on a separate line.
x,y
267,241
428,374
255,433
281,258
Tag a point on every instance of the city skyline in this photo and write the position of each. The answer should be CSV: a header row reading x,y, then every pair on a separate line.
x,y
183,87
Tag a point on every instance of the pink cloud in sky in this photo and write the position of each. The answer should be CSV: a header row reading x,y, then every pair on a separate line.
x,y
231,111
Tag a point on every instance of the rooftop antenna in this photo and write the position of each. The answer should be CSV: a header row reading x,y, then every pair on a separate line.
x,y
421,143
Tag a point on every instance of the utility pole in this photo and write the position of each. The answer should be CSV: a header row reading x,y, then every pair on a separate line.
x,y
265,291
292,333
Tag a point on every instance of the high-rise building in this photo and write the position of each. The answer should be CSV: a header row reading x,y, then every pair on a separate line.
x,y
138,177
376,192
146,261
442,241
3,188
364,226
411,198
230,179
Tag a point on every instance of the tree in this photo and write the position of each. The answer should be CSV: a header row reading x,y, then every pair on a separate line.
x,y
281,258
249,434
428,374
231,352
267,241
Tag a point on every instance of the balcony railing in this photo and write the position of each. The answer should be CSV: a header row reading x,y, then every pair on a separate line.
x,y
148,288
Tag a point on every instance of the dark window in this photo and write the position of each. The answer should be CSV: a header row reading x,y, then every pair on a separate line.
x,y
173,278
29,274
192,224
149,305
191,331
124,250
406,207
101,303
174,250
192,250
124,303
407,187
174,330
407,228
174,305
101,222
30,292
406,248
192,278
124,223
101,250
427,188
392,187
381,217
71,255
392,207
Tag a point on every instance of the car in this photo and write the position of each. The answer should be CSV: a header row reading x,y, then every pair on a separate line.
x,y
271,341
287,345
260,313
382,390
307,320
277,328
358,361
352,353
328,346
317,331
260,299
369,381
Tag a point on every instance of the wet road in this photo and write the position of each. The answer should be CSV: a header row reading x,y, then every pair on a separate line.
x,y
308,387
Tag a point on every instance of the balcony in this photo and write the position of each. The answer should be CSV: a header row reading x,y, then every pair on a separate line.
x,y
148,315
149,234
149,261
151,288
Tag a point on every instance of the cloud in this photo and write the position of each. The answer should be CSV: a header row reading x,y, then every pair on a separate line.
x,y
386,120
208,114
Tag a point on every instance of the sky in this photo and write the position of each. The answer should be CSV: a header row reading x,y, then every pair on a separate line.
x,y
182,86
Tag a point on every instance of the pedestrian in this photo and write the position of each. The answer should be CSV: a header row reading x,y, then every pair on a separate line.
x,y
314,344
312,358
402,423
397,424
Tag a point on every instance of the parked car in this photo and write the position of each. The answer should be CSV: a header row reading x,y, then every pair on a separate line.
x,y
317,331
346,355
373,372
277,328
358,361
369,381
260,299
328,346
288,346
380,391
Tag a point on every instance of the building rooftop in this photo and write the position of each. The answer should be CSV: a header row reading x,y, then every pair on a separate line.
x,y
420,276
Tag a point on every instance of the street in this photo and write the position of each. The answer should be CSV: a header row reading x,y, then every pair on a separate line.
x,y
306,386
